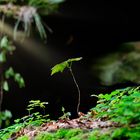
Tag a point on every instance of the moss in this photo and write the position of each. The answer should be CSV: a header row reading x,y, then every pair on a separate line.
x,y
83,136
65,134
44,136
23,138
61,133
73,132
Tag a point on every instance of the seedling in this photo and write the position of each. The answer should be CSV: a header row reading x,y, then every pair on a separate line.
x,y
36,103
34,118
68,64
65,115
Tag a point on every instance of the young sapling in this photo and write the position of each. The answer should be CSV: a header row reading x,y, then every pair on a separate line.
x,y
68,64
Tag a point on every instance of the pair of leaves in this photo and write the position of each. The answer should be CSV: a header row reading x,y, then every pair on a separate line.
x,y
62,66
9,73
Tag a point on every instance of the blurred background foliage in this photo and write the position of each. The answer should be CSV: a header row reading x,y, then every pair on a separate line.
x,y
121,66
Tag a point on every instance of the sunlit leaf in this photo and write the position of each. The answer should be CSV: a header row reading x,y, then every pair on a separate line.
x,y
19,79
4,42
3,56
63,109
21,83
61,66
74,59
5,86
9,73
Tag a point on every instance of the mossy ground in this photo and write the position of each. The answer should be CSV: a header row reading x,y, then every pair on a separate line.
x,y
97,134
116,117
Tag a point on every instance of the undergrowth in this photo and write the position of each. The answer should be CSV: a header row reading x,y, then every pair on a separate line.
x,y
120,107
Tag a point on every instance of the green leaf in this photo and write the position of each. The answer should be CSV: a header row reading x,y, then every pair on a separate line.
x,y
9,73
63,109
74,59
61,66
5,86
18,78
21,83
7,114
4,42
3,56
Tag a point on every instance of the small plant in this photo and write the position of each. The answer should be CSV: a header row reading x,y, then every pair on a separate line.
x,y
36,103
34,118
65,115
68,64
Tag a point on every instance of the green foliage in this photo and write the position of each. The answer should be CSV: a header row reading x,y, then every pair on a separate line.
x,y
5,86
122,106
6,48
28,12
65,115
35,119
5,117
121,133
62,66
44,136
60,134
10,73
39,26
50,5
7,132
73,132
119,67
36,103
19,79
64,134
67,64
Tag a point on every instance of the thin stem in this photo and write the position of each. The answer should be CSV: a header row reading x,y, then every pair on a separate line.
x,y
1,94
44,111
79,93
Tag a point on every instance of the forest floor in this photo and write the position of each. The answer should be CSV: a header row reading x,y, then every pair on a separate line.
x,y
66,128
115,117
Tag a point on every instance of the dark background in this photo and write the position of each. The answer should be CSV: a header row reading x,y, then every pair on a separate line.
x,y
81,28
